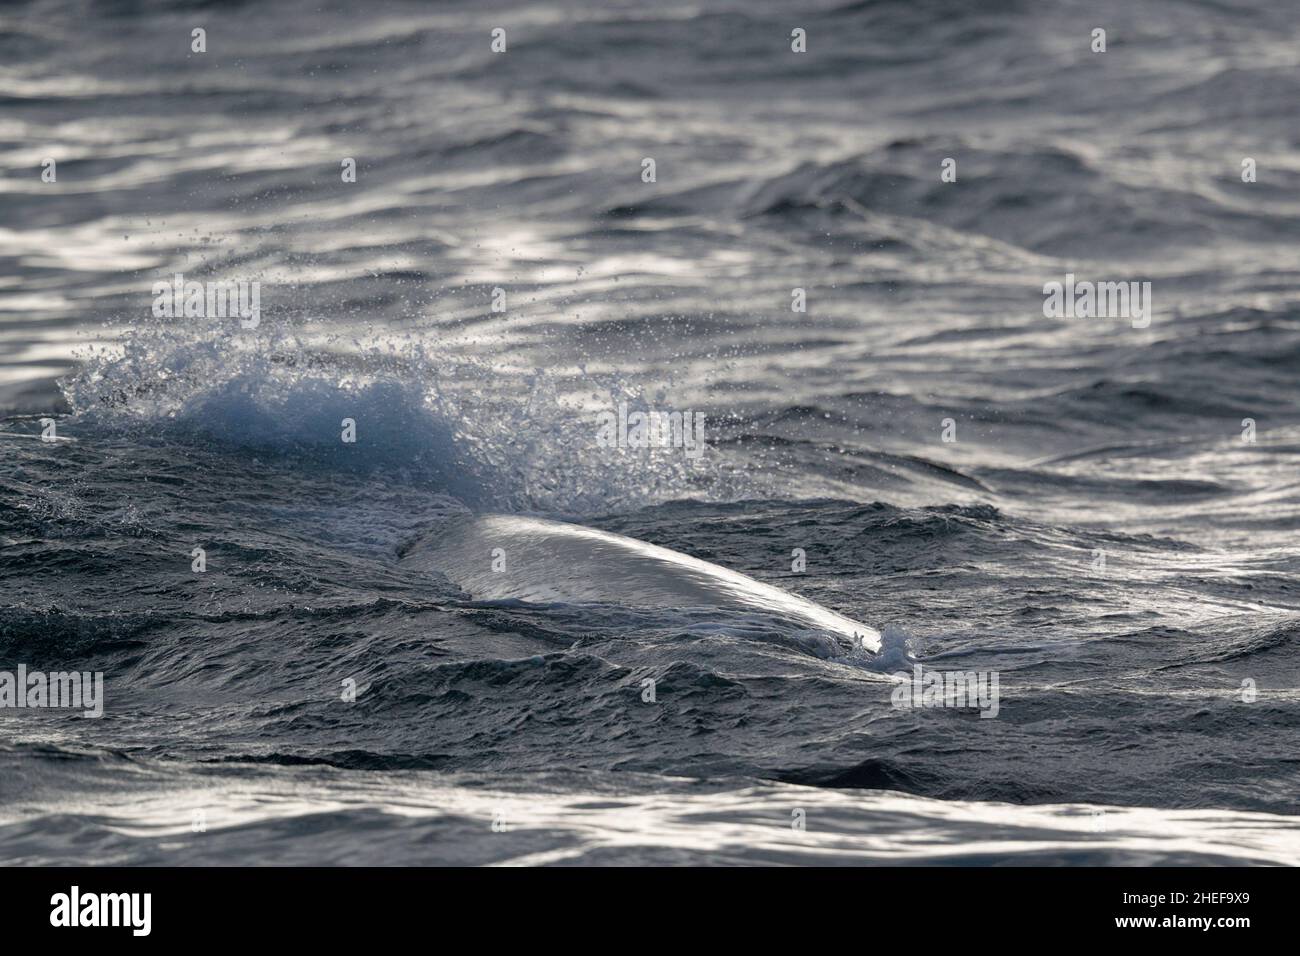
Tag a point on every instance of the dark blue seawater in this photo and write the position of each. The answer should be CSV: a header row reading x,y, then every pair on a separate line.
x,y
1112,529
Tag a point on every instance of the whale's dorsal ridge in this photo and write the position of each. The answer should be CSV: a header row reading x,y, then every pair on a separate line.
x,y
515,557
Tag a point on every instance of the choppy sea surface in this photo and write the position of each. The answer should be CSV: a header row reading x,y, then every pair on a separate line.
x,y
1107,532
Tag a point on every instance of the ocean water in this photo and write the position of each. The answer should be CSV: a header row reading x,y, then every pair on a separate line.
x,y
1103,513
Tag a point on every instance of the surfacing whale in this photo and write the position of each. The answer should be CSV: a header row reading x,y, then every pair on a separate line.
x,y
554,562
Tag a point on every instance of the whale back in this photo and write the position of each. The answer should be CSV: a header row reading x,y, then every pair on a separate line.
x,y
555,562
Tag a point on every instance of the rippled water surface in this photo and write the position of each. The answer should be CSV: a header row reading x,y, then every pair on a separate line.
x,y
1101,533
